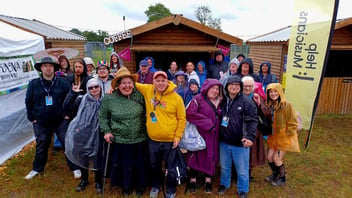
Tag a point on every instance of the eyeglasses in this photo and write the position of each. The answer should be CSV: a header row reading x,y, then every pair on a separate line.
x,y
93,87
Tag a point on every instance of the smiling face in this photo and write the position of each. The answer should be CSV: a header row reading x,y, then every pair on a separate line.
x,y
94,90
213,92
265,69
233,68
173,66
126,86
248,87
160,83
245,68
189,67
144,69
233,89
274,95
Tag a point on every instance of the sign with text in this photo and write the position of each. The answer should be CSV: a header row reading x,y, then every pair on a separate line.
x,y
310,37
16,72
117,37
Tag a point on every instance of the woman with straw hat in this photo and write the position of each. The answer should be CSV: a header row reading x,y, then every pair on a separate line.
x,y
122,120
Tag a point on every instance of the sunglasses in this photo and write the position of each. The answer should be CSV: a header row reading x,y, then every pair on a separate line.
x,y
93,87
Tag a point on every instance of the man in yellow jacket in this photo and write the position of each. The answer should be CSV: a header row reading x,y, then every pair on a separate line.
x,y
166,121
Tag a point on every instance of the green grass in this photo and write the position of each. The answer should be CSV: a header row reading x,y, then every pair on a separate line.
x,y
322,170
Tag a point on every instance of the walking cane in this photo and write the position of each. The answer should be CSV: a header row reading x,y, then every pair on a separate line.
x,y
106,165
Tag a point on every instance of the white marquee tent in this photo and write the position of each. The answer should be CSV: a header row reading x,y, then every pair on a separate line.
x,y
16,70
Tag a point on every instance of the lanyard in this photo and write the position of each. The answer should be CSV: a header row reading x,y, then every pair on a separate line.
x,y
155,103
229,104
45,89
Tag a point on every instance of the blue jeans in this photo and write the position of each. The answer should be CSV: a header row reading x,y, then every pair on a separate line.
x,y
240,157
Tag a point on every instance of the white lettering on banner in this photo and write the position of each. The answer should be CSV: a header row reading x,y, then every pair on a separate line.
x,y
117,37
15,72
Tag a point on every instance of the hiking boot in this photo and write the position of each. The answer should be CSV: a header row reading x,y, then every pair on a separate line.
x,y
82,185
77,174
208,187
192,187
98,188
222,190
31,174
280,181
154,192
271,177
242,195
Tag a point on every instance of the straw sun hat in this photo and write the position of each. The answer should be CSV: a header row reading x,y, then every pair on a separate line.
x,y
121,73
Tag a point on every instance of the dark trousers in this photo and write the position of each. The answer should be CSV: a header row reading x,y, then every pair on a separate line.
x,y
98,175
43,136
128,165
159,151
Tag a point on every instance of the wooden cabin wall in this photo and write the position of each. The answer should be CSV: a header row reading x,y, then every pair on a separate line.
x,y
335,96
272,52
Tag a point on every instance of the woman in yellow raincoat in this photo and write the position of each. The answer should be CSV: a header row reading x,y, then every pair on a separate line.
x,y
284,137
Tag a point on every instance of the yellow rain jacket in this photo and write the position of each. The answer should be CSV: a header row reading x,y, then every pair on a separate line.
x,y
285,123
169,111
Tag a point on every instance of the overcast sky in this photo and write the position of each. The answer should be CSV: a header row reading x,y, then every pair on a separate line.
x,y
240,18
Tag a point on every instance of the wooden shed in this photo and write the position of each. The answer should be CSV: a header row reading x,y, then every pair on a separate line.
x,y
53,37
173,38
336,91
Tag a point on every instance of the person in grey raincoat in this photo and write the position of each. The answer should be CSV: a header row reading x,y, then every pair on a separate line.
x,y
83,139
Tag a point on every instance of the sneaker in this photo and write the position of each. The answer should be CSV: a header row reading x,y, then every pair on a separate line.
x,y
31,174
168,195
82,185
222,190
77,174
98,188
208,187
154,192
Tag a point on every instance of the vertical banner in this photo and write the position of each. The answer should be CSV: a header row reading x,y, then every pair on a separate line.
x,y
310,38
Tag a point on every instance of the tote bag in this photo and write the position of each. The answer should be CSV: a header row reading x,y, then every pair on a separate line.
x,y
191,139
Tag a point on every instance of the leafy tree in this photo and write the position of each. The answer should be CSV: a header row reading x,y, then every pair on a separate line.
x,y
76,31
203,13
156,12
90,35
204,16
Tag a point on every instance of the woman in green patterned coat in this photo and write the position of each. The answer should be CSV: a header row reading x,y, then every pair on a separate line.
x,y
122,120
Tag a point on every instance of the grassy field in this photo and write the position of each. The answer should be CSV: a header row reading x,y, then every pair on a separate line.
x,y
322,170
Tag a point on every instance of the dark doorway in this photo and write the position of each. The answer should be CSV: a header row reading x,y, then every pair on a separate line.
x,y
339,64
162,60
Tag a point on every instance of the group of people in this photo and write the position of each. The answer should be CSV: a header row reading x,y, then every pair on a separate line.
x,y
143,116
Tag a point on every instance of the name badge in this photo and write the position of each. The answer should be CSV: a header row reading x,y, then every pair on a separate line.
x,y
153,117
48,100
225,121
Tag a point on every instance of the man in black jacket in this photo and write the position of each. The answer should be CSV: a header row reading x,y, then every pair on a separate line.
x,y
44,99
238,131
219,67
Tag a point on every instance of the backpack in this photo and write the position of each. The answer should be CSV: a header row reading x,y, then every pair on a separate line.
x,y
176,167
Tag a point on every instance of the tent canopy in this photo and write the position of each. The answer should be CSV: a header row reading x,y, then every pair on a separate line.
x,y
14,41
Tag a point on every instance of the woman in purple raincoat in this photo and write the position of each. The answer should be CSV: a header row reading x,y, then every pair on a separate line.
x,y
204,112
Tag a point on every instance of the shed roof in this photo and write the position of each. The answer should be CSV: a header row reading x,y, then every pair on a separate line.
x,y
283,34
40,28
179,19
